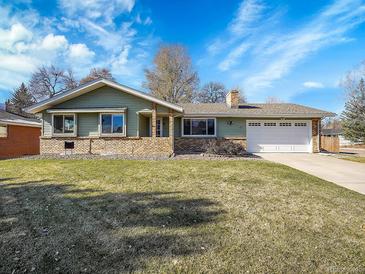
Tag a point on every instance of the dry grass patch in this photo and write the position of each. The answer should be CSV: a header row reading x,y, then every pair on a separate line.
x,y
112,216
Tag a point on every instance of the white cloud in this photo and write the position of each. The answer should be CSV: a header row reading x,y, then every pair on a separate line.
x,y
232,57
312,84
147,21
80,51
110,39
248,12
119,62
18,63
54,42
28,40
16,33
243,24
97,9
326,29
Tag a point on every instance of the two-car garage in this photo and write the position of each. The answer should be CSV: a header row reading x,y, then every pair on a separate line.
x,y
279,135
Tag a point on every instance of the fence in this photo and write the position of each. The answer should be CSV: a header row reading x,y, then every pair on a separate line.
x,y
330,143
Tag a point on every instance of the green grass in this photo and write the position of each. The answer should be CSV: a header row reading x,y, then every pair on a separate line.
x,y
111,216
355,159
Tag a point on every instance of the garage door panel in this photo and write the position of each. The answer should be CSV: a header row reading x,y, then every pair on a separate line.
x,y
278,136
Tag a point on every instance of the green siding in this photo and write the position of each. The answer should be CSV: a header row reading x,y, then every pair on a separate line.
x,y
227,129
143,126
162,109
165,129
47,124
108,97
177,127
88,124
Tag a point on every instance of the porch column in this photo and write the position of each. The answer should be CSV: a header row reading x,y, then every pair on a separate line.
x,y
316,145
154,120
171,129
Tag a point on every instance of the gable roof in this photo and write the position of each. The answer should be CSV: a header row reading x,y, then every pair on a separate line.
x,y
13,119
87,87
254,110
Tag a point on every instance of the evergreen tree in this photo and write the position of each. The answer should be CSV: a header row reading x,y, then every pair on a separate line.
x,y
353,117
21,98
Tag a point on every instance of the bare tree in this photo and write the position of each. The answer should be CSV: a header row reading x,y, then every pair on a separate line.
x,y
69,80
212,92
331,123
273,100
172,78
46,82
98,73
243,98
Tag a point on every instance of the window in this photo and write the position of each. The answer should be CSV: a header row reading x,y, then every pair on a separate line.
x,y
270,124
159,127
198,127
64,124
3,131
252,124
285,124
112,124
301,124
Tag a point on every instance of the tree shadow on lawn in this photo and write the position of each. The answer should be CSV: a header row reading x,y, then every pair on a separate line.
x,y
57,228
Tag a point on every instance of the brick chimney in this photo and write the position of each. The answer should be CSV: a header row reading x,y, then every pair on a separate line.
x,y
233,98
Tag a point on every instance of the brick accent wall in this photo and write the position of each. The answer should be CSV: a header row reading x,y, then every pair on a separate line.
x,y
20,141
315,135
194,145
148,146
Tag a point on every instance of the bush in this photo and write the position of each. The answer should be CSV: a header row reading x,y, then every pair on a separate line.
x,y
224,148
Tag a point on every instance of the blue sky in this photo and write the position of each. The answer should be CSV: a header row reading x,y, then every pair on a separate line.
x,y
297,51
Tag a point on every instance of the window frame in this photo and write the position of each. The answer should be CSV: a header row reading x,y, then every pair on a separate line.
x,y
199,118
72,134
161,126
6,131
116,134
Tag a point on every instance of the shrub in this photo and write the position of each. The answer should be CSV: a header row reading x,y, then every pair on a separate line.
x,y
224,148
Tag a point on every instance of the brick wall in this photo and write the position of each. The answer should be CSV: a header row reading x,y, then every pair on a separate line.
x,y
20,141
193,145
160,146
315,135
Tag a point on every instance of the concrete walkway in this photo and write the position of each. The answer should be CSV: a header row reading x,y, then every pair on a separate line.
x,y
344,173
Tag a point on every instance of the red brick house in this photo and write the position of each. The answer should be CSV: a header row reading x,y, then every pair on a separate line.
x,y
18,135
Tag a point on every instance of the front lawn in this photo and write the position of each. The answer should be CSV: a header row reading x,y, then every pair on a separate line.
x,y
113,216
355,159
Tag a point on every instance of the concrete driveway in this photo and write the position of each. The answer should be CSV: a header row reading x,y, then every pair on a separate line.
x,y
344,173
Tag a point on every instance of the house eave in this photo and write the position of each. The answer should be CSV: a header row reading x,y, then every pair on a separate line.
x,y
20,123
86,110
62,97
278,115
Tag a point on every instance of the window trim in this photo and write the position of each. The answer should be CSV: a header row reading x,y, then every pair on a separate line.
x,y
101,134
6,131
161,126
199,118
73,134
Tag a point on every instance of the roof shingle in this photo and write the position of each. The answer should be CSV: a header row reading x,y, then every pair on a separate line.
x,y
252,110
7,117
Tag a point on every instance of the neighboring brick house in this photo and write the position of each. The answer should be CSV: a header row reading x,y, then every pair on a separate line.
x,y
104,117
18,135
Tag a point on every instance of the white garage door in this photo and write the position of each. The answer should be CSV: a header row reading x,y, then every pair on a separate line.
x,y
279,136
